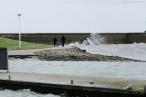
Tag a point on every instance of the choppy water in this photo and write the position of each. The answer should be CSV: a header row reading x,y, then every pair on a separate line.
x,y
130,70
133,51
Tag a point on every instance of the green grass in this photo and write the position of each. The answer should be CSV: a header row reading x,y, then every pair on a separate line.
x,y
14,44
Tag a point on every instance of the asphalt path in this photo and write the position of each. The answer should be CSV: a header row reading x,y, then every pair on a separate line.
x,y
30,51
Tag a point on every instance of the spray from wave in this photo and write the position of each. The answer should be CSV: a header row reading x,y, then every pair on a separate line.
x,y
94,39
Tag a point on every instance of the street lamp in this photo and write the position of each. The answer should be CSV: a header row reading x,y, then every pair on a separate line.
x,y
19,14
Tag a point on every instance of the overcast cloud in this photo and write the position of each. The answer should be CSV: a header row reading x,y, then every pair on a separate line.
x,y
73,15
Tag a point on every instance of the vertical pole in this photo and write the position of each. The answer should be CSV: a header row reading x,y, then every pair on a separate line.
x,y
72,82
9,77
7,61
145,23
19,34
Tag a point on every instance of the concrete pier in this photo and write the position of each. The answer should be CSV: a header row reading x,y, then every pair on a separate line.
x,y
58,84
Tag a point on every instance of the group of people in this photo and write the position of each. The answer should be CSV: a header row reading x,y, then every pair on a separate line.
x,y
56,42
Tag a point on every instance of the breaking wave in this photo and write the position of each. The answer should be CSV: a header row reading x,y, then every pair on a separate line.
x,y
94,39
23,93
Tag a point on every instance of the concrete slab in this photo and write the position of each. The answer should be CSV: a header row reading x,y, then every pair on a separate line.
x,y
115,83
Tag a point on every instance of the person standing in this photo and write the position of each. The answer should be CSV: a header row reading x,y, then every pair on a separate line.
x,y
54,40
63,40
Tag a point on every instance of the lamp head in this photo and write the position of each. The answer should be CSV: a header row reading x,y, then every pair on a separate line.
x,y
19,14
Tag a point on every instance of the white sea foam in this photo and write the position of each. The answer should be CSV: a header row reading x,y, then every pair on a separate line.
x,y
23,93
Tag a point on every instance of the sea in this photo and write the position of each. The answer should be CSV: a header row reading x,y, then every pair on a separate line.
x,y
126,70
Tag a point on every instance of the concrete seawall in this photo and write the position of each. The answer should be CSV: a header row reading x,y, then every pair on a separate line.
x,y
123,38
47,38
110,38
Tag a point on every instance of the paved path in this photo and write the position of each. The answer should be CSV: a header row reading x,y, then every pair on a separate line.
x,y
30,52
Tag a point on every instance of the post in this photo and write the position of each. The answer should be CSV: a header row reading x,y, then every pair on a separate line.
x,y
4,58
19,34
19,14
9,77
71,82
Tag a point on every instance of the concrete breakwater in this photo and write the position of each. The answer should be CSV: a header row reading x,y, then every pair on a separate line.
x,y
76,54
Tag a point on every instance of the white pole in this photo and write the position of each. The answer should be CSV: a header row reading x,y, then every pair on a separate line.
x,y
19,34
19,14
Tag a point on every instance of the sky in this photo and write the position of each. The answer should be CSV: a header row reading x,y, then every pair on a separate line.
x,y
49,16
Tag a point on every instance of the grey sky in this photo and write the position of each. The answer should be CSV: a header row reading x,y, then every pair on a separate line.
x,y
73,15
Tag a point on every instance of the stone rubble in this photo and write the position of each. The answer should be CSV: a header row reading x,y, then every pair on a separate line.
x,y
76,54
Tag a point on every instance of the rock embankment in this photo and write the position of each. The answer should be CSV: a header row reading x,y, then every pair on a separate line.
x,y
76,54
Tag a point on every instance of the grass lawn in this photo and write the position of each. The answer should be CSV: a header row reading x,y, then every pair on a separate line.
x,y
14,44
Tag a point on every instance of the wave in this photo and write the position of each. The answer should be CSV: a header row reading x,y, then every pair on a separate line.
x,y
23,93
94,39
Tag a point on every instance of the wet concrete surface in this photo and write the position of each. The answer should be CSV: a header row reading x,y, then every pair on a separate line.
x,y
115,83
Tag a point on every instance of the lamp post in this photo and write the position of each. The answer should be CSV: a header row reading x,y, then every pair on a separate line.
x,y
19,14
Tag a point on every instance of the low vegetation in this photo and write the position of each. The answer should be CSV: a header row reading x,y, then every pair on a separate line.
x,y
14,44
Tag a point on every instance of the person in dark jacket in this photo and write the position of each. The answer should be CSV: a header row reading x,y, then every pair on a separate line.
x,y
63,40
54,40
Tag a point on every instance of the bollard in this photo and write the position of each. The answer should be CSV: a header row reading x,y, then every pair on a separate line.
x,y
145,89
71,82
9,77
